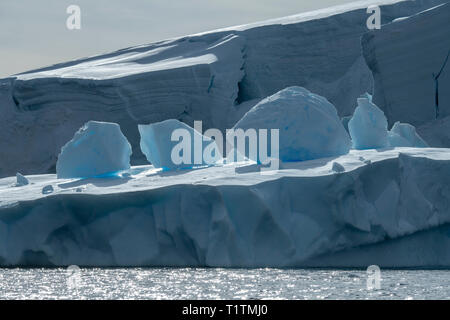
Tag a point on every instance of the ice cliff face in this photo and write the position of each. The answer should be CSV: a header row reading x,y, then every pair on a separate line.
x,y
390,208
214,77
405,58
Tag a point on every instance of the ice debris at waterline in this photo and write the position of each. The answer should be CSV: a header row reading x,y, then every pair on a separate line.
x,y
309,127
303,215
97,148
172,144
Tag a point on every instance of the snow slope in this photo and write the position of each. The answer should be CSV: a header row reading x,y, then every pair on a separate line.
x,y
214,77
388,207
403,55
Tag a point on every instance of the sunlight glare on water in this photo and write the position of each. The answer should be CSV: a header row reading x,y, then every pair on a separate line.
x,y
217,283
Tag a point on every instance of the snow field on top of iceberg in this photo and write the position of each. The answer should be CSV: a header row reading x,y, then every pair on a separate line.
x,y
97,148
308,124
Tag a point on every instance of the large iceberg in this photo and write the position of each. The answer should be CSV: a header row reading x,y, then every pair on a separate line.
x,y
172,144
214,77
392,210
97,148
308,124
405,135
368,126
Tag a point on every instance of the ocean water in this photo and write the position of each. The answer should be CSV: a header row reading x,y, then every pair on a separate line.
x,y
218,283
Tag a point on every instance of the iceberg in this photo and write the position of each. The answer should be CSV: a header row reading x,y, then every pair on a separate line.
x,y
159,143
405,135
303,215
214,77
97,148
436,133
368,126
308,124
405,57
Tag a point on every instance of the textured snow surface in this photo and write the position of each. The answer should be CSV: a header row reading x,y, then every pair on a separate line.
x,y
368,126
387,207
403,56
309,125
98,148
214,77
157,145
405,135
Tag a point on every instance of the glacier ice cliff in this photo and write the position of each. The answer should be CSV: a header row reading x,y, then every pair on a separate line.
x,y
214,77
392,209
404,56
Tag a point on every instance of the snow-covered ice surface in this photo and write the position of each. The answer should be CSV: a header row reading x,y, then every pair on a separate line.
x,y
403,57
308,123
214,77
98,148
21,180
388,207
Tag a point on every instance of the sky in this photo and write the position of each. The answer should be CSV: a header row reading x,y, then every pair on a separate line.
x,y
33,33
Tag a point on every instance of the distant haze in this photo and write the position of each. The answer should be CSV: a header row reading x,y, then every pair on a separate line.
x,y
33,33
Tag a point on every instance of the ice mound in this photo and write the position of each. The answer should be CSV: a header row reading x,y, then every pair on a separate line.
x,y
172,144
97,148
337,167
47,189
368,126
309,127
21,180
405,135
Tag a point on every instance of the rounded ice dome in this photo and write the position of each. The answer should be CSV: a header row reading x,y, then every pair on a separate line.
x,y
309,126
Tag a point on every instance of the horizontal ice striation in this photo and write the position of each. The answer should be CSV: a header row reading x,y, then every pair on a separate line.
x,y
403,57
185,79
391,210
214,77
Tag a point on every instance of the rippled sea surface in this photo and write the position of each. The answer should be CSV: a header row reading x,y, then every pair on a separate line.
x,y
200,283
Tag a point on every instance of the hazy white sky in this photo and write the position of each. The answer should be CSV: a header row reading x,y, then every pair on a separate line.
x,y
33,33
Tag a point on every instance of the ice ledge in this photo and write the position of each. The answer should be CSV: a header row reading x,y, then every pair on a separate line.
x,y
305,215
